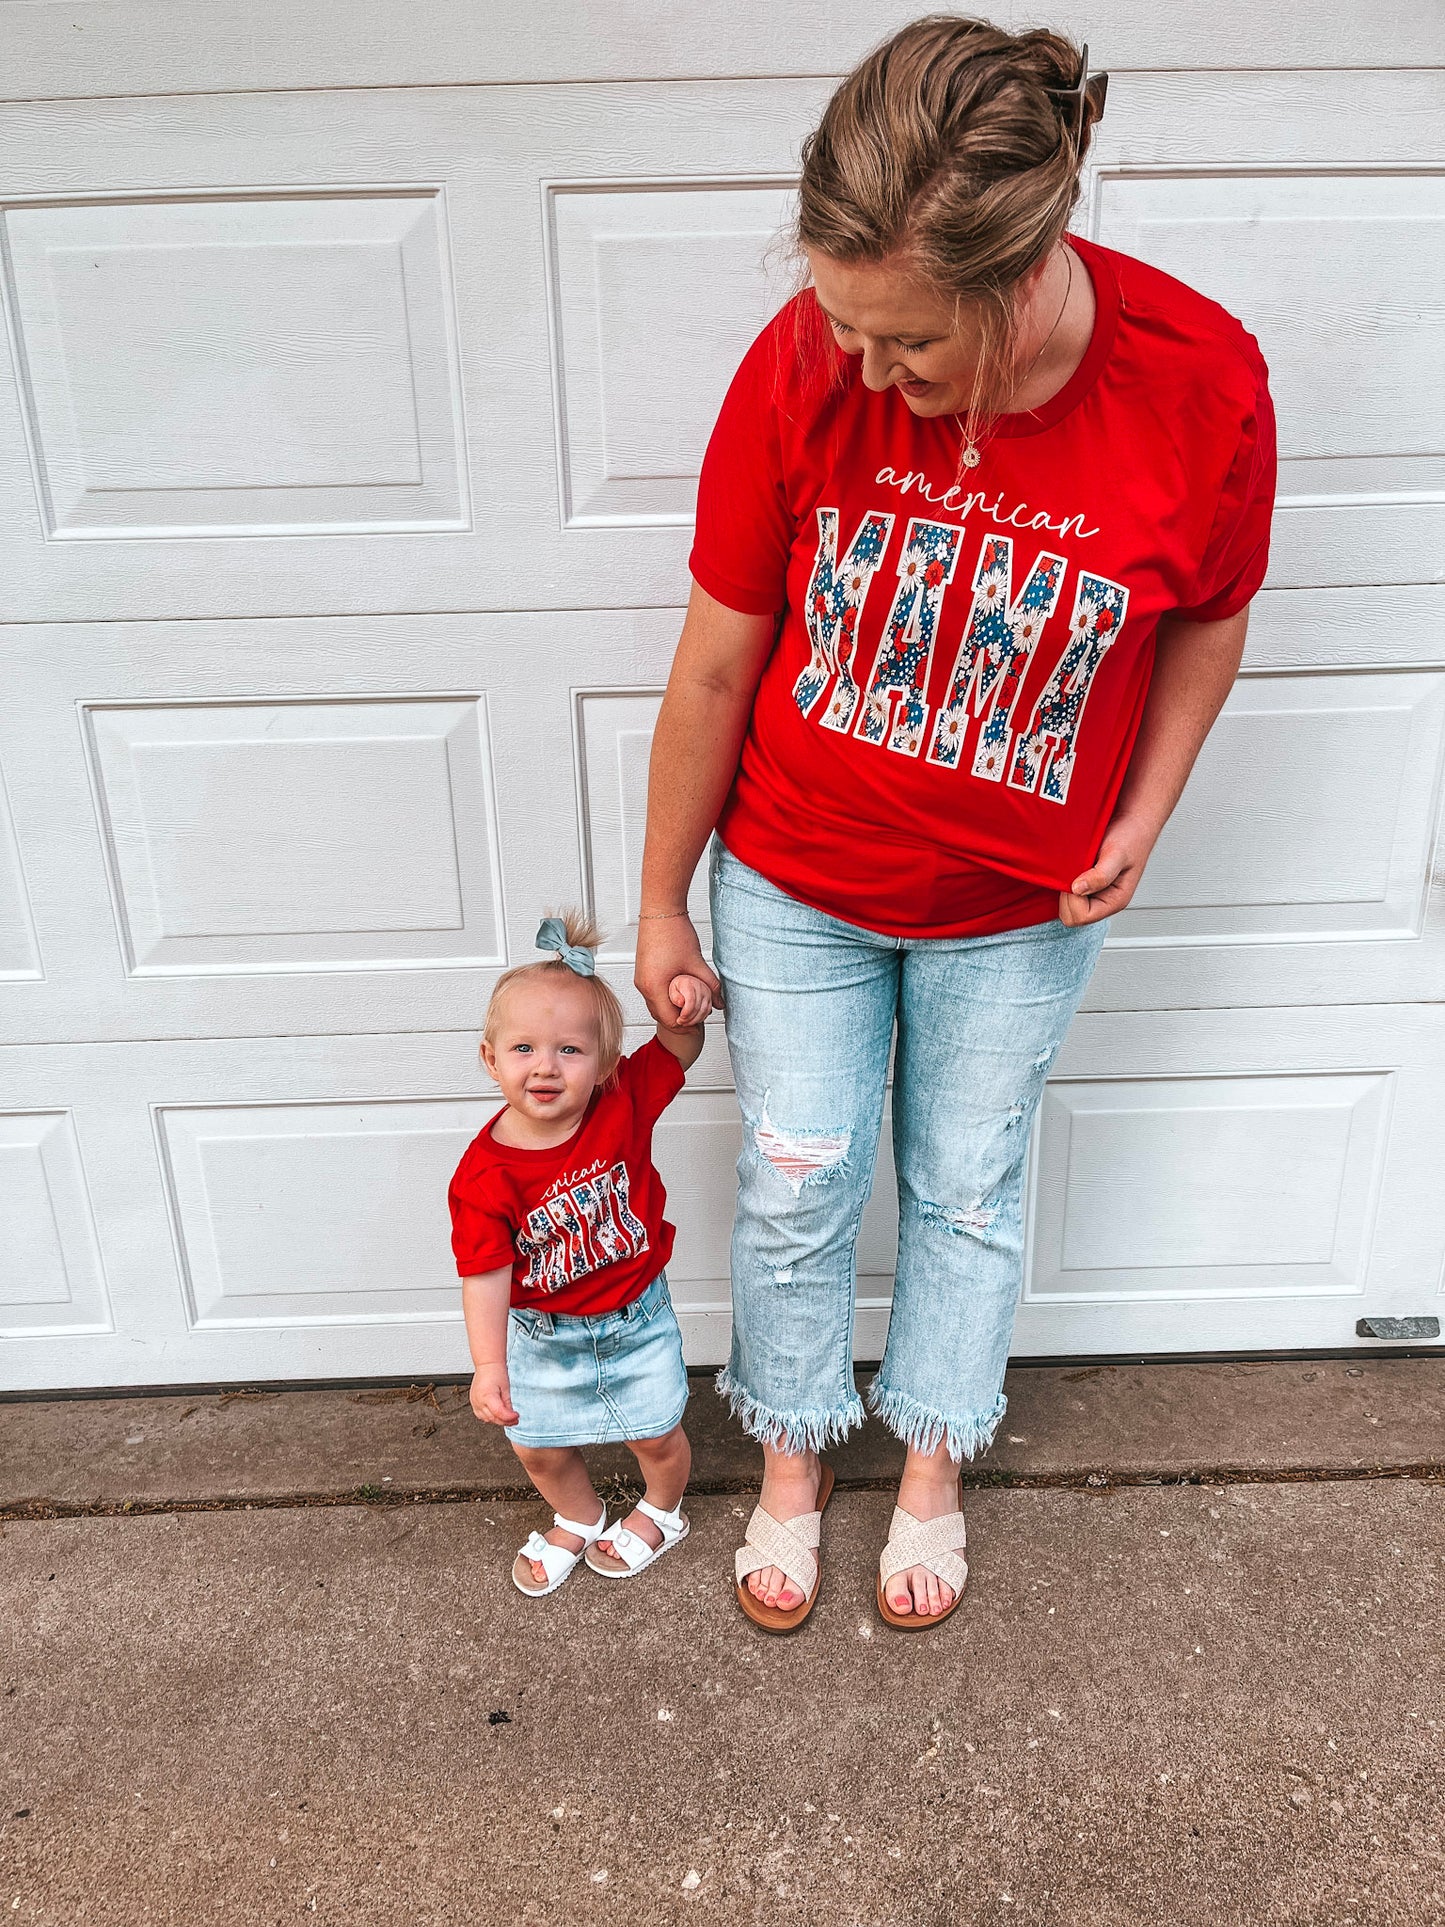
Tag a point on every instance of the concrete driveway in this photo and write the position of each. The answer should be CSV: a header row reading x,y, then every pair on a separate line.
x,y
1172,1703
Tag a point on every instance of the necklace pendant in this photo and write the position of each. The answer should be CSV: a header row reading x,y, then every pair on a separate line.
x,y
971,457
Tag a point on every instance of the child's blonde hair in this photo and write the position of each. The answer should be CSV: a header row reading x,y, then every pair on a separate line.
x,y
582,933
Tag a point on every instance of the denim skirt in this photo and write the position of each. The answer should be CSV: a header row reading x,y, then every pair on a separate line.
x,y
592,1379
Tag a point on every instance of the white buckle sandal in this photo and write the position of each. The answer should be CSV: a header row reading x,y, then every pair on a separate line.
x,y
632,1550
556,1561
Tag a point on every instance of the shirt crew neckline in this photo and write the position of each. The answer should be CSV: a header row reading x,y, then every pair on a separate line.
x,y
539,1150
1034,421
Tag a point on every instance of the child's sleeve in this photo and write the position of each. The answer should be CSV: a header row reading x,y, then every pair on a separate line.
x,y
652,1077
482,1228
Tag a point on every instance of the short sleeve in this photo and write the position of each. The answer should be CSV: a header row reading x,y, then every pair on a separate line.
x,y
482,1228
652,1078
744,524
1237,552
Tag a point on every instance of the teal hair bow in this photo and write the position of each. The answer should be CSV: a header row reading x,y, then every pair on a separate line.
x,y
552,935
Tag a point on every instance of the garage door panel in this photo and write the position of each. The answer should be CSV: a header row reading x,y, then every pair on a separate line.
x,y
1323,231
1215,1180
656,296
1361,544
19,952
311,826
337,834
268,366
1374,627
267,1207
315,1212
1302,863
1322,265
1131,1174
52,1281
1312,812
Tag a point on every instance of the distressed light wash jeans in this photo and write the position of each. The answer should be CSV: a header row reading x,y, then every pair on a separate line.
x,y
811,1006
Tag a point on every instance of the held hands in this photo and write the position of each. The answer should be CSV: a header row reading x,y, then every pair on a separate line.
x,y
669,955
1106,887
492,1396
691,998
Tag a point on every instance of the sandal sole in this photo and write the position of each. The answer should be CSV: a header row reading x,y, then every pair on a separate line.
x,y
545,1592
772,1619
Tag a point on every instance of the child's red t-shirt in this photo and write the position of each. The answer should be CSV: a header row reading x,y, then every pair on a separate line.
x,y
944,722
581,1223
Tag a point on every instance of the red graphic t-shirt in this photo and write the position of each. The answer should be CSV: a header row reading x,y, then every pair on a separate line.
x,y
947,714
581,1223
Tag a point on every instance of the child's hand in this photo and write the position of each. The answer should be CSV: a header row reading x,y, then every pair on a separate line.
x,y
492,1396
691,998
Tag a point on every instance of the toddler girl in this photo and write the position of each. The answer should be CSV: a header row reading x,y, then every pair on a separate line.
x,y
560,1240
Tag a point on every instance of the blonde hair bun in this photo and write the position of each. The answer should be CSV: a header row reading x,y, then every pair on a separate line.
x,y
958,147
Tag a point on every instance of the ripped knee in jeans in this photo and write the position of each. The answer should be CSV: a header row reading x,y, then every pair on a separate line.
x,y
800,1157
969,1221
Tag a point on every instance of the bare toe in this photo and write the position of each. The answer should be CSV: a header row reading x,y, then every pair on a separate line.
x,y
527,1572
770,1587
923,1593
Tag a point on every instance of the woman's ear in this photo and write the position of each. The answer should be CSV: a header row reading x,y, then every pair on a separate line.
x,y
1030,283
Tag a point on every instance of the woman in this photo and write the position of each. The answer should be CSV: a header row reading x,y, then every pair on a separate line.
x,y
977,534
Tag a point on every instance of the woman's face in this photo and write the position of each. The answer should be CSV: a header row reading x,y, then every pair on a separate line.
x,y
907,335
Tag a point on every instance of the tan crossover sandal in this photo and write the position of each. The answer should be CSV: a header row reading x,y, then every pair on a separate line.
x,y
791,1546
935,1543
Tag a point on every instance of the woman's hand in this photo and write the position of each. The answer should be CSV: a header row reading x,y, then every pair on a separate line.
x,y
1195,664
667,947
1106,887
492,1395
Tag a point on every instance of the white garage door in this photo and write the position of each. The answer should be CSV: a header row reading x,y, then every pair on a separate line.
x,y
362,361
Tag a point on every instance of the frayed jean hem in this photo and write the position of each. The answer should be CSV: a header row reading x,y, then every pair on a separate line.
x,y
920,1427
790,1432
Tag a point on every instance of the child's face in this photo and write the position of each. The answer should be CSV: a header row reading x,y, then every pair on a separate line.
x,y
546,1057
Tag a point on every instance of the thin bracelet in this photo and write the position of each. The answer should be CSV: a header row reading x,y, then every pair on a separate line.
x,y
656,916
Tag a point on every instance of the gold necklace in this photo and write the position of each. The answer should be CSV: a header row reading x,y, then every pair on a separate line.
x,y
970,456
